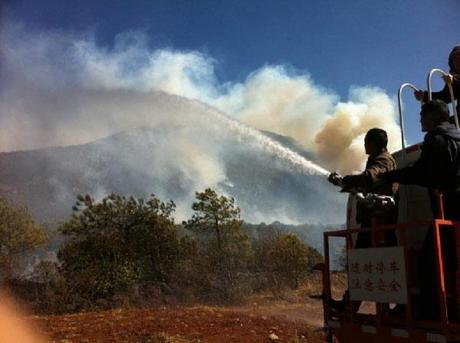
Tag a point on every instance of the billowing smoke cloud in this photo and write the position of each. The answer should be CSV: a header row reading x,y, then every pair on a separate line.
x,y
339,143
272,99
61,88
293,105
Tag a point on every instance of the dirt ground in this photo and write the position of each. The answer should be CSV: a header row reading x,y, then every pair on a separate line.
x,y
259,321
293,317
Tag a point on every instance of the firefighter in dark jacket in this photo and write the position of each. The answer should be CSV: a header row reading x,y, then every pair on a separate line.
x,y
439,164
453,78
379,161
438,168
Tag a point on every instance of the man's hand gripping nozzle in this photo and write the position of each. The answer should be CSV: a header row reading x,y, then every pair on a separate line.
x,y
336,179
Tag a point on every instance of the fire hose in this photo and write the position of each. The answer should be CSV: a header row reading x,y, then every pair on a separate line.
x,y
369,200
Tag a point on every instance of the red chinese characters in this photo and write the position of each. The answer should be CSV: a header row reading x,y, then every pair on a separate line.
x,y
393,267
367,268
368,285
355,268
355,284
380,267
394,286
381,286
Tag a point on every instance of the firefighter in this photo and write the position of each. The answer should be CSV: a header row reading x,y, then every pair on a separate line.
x,y
379,161
452,78
438,169
439,164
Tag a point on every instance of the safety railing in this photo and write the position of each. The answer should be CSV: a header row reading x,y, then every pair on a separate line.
x,y
430,97
451,92
401,112
382,318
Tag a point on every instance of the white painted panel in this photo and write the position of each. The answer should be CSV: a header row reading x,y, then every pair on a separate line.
x,y
368,329
434,337
377,274
400,333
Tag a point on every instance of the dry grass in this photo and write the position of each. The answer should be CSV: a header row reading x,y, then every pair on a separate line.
x,y
290,314
293,316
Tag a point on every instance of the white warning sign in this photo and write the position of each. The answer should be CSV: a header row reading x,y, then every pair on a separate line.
x,y
377,274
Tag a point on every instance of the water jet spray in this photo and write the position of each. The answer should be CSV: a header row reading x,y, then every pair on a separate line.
x,y
297,161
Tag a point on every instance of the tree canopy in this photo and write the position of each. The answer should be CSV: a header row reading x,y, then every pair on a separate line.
x,y
285,257
19,234
226,248
117,242
218,215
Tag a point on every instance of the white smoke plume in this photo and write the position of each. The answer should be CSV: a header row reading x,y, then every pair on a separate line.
x,y
272,99
61,88
340,142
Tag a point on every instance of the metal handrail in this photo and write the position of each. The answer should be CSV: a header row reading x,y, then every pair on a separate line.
x,y
451,92
401,115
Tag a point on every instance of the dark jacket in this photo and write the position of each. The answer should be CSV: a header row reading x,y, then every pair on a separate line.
x,y
437,168
444,94
439,164
370,182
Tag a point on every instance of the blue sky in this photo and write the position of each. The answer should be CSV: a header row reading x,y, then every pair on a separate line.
x,y
339,43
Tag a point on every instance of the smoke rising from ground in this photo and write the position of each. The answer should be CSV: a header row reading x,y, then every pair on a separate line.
x,y
339,143
62,88
294,106
272,99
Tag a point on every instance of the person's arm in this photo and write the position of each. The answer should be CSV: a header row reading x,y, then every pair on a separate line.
x,y
456,86
409,175
427,170
443,95
370,177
